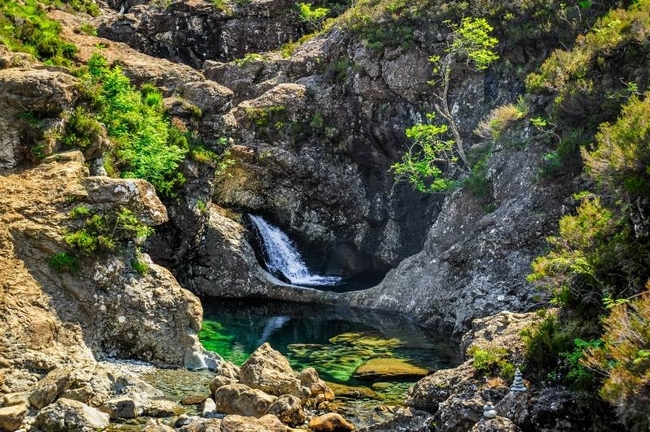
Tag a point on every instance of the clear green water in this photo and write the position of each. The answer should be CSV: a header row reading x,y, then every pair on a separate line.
x,y
335,341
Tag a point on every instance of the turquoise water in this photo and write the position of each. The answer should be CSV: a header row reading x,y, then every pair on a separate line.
x,y
335,341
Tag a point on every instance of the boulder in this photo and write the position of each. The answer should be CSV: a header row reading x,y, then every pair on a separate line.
x,y
121,407
309,378
161,408
288,410
228,373
12,416
67,415
193,400
201,425
209,408
404,420
50,387
331,422
139,196
269,371
242,400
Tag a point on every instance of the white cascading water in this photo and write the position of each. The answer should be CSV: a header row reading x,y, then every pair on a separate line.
x,y
282,256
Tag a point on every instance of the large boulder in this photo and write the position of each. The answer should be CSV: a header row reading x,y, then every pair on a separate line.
x,y
67,415
242,400
268,370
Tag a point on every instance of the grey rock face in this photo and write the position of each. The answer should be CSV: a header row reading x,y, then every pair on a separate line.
x,y
194,31
474,263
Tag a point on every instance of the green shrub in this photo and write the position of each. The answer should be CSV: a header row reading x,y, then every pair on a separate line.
x,y
101,233
249,58
87,29
428,158
146,145
621,161
80,211
312,16
64,262
24,26
81,129
492,361
139,266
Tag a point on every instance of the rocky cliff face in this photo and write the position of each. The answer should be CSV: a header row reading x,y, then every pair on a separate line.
x,y
105,308
476,256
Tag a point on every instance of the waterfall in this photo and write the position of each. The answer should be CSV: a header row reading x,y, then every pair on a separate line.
x,y
281,256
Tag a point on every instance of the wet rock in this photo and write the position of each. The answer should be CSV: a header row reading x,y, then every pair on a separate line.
x,y
69,415
193,400
331,422
388,368
269,371
288,410
161,408
309,378
498,424
242,400
12,416
155,425
209,408
236,423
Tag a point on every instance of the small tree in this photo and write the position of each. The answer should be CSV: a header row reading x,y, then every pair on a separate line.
x,y
470,42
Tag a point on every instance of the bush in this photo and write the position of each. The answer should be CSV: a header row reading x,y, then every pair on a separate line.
x,y
64,262
624,358
492,361
621,161
595,255
81,129
312,16
101,233
24,26
146,146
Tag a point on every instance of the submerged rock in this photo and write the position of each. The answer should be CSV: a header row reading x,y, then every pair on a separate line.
x,y
389,368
